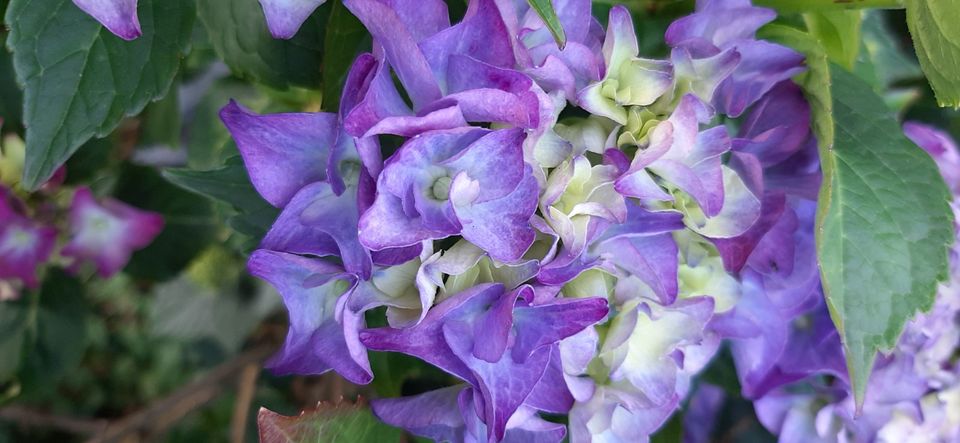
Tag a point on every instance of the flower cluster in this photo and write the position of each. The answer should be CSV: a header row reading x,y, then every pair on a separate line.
x,y
100,234
556,261
913,393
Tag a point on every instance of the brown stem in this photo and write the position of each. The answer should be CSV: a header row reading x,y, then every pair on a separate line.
x,y
246,386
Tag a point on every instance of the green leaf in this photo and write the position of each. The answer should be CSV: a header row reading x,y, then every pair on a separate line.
x,y
883,218
838,32
883,227
190,223
186,309
346,37
11,98
936,38
81,80
161,122
229,184
546,12
13,330
240,37
340,423
889,61
58,332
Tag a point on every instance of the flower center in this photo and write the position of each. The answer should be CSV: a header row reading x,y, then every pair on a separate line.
x,y
441,188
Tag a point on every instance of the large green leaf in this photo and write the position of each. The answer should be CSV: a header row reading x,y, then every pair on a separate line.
x,y
546,12
346,36
883,219
239,34
936,37
838,32
341,423
80,79
883,226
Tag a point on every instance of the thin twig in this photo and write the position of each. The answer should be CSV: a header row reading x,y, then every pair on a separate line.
x,y
246,386
28,417
161,414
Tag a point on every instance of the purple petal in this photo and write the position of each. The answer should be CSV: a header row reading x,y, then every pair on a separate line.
x,y
108,233
315,218
373,96
551,393
735,251
719,24
316,342
487,93
434,414
541,325
24,247
482,35
389,29
284,17
119,16
502,226
426,340
447,117
651,258
762,66
495,161
941,147
503,385
777,126
282,152
702,413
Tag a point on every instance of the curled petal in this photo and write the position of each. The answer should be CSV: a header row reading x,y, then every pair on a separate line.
x,y
119,16
311,290
282,152
319,222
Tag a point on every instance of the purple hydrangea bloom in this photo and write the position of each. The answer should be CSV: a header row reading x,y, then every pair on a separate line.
x,y
106,233
118,16
470,182
498,249
24,244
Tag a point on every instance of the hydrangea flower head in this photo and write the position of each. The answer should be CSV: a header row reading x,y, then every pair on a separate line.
x,y
551,263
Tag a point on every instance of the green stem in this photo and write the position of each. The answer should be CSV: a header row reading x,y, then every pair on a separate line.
x,y
821,5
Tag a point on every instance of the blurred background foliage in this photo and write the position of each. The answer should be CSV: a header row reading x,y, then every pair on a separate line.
x,y
80,355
